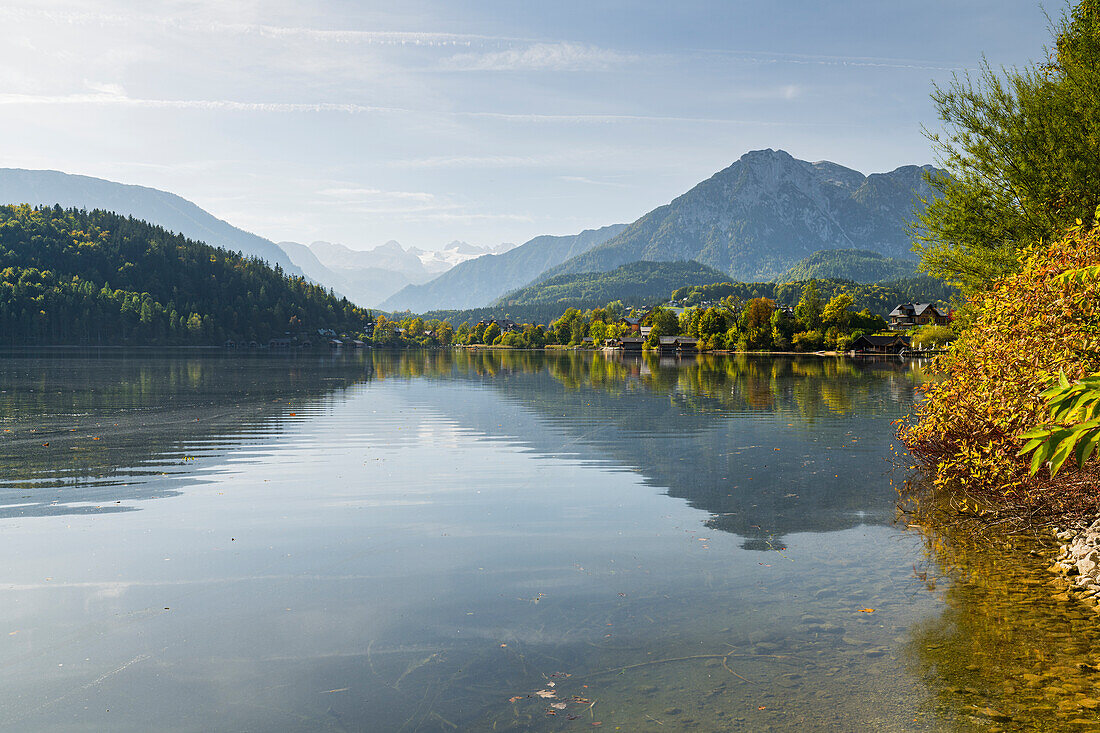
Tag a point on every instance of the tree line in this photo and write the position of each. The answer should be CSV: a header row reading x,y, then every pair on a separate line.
x,y
70,276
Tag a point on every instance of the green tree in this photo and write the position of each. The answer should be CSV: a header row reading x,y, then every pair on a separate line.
x,y
755,325
808,310
664,323
1024,157
837,311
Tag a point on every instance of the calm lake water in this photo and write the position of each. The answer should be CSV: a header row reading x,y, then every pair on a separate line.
x,y
432,541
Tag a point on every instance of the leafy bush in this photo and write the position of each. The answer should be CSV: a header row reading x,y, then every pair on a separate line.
x,y
932,335
808,341
1025,328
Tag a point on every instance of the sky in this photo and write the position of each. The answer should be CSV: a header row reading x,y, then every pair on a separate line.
x,y
426,121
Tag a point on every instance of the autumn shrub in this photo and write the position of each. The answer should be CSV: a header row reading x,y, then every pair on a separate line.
x,y
1025,329
808,341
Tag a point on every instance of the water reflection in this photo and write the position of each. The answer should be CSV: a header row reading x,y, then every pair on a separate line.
x,y
767,445
91,432
427,540
1008,652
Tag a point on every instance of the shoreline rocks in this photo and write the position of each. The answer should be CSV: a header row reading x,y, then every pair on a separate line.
x,y
1078,561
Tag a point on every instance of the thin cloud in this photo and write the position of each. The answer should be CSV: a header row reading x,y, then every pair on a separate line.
x,y
373,194
821,60
563,56
593,182
324,35
470,218
480,161
113,99
121,100
377,38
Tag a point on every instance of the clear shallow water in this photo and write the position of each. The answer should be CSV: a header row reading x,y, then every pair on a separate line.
x,y
427,541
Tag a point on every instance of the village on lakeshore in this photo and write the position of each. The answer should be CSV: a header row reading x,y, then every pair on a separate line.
x,y
641,329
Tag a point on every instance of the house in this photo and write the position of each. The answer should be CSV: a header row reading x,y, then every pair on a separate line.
x,y
279,343
881,344
645,331
506,325
687,345
907,315
629,344
677,345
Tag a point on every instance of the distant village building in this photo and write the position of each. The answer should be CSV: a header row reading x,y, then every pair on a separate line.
x,y
505,325
907,315
884,344
677,345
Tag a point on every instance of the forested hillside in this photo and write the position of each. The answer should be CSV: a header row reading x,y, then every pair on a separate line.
x,y
70,276
879,298
858,265
177,214
636,282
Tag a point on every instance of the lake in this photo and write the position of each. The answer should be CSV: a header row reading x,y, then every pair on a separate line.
x,y
486,540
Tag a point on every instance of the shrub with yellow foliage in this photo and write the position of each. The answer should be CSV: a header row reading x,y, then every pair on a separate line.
x,y
1025,329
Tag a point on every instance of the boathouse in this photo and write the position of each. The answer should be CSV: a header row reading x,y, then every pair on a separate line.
x,y
881,344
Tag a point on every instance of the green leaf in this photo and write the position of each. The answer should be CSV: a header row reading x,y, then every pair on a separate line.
x,y
1063,450
1086,447
1030,446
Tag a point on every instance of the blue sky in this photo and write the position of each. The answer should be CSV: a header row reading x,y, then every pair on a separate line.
x,y
426,121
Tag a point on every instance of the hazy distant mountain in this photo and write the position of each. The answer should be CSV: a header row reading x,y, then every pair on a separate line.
x,y
857,265
637,283
167,210
481,281
440,260
764,213
367,277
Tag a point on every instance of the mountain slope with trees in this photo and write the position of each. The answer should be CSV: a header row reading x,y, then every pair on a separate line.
x,y
761,215
176,214
637,282
71,276
857,265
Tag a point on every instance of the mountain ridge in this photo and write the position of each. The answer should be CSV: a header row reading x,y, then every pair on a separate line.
x,y
760,215
161,208
480,281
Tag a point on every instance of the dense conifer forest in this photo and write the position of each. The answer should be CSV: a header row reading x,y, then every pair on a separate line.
x,y
70,276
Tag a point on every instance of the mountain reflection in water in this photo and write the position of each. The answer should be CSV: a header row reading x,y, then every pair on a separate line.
x,y
427,540
766,445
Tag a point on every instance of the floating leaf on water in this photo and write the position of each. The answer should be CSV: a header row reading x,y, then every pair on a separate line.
x,y
866,610
558,705
546,693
